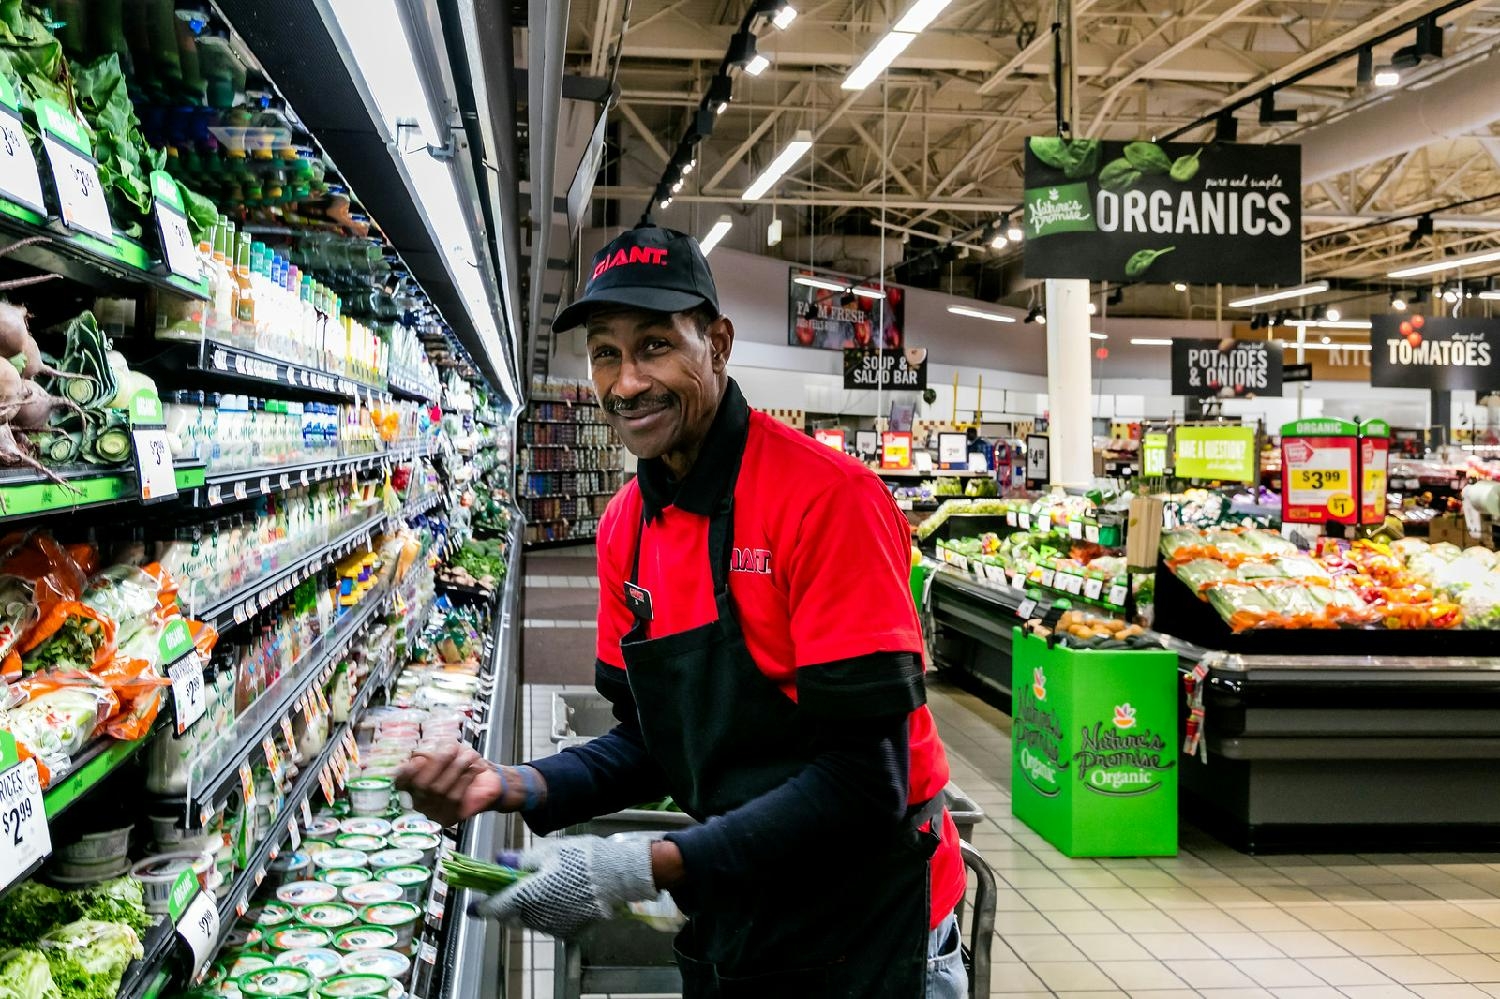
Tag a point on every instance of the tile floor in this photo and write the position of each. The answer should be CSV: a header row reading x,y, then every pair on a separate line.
x,y
1209,922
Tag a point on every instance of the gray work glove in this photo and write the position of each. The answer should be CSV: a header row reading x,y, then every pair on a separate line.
x,y
574,882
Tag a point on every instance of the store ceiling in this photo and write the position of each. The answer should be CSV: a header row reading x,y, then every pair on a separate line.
x,y
937,148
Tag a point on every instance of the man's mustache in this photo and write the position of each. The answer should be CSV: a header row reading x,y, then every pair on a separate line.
x,y
614,404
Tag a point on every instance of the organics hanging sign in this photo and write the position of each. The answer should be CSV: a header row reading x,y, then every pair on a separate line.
x,y
1148,211
840,318
900,370
1231,369
1434,352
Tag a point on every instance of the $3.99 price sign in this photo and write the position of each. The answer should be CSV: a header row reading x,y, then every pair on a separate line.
x,y
24,837
1319,480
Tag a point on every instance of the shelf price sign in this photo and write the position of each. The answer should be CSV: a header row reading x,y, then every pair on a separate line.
x,y
24,836
20,181
75,172
1374,463
172,224
196,917
1320,466
152,449
895,449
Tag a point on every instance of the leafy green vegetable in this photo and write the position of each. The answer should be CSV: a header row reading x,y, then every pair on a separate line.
x,y
460,871
1185,168
1147,157
125,158
1118,175
24,974
119,901
202,213
89,957
30,908
1141,261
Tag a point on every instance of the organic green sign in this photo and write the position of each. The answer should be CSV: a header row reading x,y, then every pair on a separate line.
x,y
1153,455
1320,427
1374,428
1215,452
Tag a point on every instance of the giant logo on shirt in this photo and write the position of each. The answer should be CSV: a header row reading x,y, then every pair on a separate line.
x,y
756,560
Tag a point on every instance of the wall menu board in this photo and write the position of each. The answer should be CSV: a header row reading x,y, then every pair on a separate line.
x,y
1434,352
1230,369
1216,452
1147,211
838,319
898,370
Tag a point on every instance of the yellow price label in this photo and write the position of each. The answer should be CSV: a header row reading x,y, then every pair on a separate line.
x,y
1341,504
1320,478
1374,479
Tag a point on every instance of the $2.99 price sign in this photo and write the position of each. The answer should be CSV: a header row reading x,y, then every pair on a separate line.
x,y
199,929
24,837
189,698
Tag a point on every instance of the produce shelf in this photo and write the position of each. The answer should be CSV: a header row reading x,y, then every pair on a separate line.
x,y
416,507
121,267
244,602
141,977
231,487
225,362
937,473
90,767
402,391
252,728
24,493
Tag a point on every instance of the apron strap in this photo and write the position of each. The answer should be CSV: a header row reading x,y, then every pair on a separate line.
x,y
930,810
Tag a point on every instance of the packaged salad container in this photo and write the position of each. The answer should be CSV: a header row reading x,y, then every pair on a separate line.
x,y
371,795
365,937
242,962
355,985
395,858
403,917
243,938
389,963
299,937
303,893
270,915
425,842
363,842
330,916
341,858
343,877
372,893
320,962
365,826
411,880
276,983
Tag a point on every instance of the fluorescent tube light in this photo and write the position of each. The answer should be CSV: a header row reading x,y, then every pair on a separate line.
x,y
758,65
1333,314
1446,265
826,284
1276,296
1144,341
993,317
1490,296
1099,336
1324,346
1330,324
784,17
873,293
1387,78
921,14
877,60
719,231
784,161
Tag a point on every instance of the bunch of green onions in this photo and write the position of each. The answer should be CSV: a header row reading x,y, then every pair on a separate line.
x,y
461,871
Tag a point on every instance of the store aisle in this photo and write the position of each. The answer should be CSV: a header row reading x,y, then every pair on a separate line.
x,y
560,603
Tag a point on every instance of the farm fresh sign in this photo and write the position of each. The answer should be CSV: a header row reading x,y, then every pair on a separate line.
x,y
1147,211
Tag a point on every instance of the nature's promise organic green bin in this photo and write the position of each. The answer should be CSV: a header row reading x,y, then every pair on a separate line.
x,y
1095,745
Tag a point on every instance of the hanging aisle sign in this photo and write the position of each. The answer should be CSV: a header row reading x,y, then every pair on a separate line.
x,y
1320,468
1156,212
1228,369
839,318
893,370
1434,352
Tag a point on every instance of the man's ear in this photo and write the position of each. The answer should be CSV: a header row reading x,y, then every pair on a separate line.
x,y
721,342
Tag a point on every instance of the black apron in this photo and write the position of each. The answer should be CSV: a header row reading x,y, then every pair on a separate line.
x,y
724,734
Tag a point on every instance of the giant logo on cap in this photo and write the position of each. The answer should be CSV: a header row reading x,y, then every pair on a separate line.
x,y
635,255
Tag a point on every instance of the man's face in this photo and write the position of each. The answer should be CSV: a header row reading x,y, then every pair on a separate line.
x,y
657,376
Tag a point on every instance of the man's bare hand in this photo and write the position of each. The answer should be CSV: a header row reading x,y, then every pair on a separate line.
x,y
451,783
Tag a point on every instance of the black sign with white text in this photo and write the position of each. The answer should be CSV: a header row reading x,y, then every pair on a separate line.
x,y
1168,211
1434,352
1225,369
894,370
1296,373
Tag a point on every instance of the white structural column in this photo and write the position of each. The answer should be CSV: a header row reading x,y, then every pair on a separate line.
x,y
1069,401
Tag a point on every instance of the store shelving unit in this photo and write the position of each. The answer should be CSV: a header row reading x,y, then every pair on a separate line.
x,y
568,464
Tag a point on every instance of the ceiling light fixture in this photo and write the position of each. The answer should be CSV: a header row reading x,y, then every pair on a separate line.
x,y
773,232
1143,341
827,284
1451,296
758,65
874,293
1179,286
1398,303
1278,296
1446,265
784,17
1323,346
1331,324
1000,241
1034,314
719,231
1013,232
991,317
921,14
1099,336
1387,77
877,60
1490,296
1333,315
784,161
1093,309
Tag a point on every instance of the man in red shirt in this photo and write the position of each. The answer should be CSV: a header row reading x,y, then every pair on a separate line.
x,y
759,644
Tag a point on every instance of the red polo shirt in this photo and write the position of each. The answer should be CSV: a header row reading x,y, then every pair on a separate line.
x,y
819,577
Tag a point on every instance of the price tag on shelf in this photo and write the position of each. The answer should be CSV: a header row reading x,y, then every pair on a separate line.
x,y
20,181
240,492
427,953
1093,587
247,786
153,463
273,758
23,822
75,172
265,484
215,496
275,851
1010,519
286,481
1117,594
1070,582
198,928
1024,519
323,708
1075,530
306,807
1049,576
303,476
294,834
189,695
1018,581
1091,534
171,222
325,780
1026,610
291,739
435,911
240,614
351,748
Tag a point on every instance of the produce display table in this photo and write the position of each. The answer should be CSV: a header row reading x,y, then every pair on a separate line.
x,y
1095,748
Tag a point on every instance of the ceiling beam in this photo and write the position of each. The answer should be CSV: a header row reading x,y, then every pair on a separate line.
x,y
998,201
628,113
885,159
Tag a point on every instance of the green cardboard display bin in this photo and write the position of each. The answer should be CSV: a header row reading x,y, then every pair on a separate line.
x,y
918,582
1095,745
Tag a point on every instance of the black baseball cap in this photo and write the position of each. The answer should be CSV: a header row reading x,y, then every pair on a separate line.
x,y
661,270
